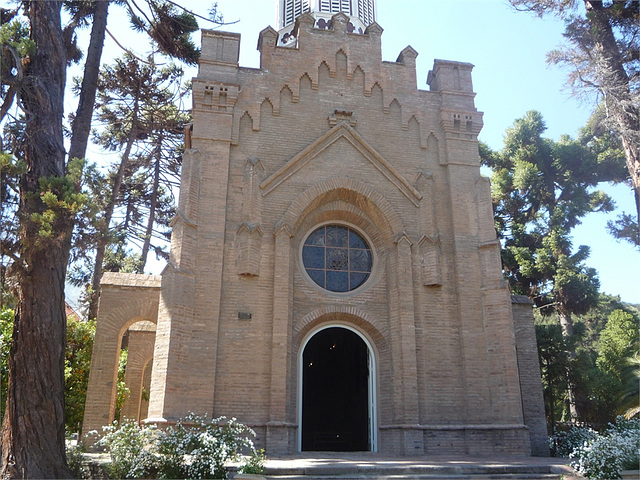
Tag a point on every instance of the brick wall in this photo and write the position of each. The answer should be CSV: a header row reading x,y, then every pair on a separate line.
x,y
327,132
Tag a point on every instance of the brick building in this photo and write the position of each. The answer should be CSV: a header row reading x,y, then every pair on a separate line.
x,y
335,276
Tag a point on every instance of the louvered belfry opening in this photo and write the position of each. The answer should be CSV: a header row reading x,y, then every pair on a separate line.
x,y
292,9
361,9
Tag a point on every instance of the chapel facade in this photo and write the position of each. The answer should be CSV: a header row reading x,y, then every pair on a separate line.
x,y
335,277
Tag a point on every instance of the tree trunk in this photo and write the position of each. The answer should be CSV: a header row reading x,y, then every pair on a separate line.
x,y
103,236
552,408
566,322
33,428
633,164
152,207
81,125
614,84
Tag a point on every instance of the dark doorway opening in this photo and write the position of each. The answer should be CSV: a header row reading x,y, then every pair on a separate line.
x,y
335,392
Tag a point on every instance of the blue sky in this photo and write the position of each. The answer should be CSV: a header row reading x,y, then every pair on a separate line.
x,y
510,77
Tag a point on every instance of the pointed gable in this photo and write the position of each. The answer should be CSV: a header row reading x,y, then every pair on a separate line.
x,y
342,131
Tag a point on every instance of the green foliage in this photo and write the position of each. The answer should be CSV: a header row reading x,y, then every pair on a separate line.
x,y
6,332
607,144
541,189
138,115
117,259
598,360
553,352
60,202
255,463
121,388
171,29
15,48
604,456
195,447
16,34
600,53
80,335
618,342
630,395
625,227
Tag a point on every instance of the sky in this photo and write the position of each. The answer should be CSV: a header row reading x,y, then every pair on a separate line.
x,y
511,77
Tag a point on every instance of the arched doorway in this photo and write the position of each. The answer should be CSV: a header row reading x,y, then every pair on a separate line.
x,y
337,407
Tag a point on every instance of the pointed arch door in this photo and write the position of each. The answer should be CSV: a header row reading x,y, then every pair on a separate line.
x,y
337,407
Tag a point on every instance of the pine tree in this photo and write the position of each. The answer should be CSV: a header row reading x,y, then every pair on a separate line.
x,y
136,114
603,60
32,436
541,190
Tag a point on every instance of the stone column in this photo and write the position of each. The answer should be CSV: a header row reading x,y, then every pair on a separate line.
x,y
530,377
189,314
100,403
493,413
280,433
403,345
176,307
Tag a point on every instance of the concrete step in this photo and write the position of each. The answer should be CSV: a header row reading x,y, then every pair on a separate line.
x,y
548,476
352,471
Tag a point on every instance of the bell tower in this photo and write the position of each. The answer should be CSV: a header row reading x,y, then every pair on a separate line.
x,y
362,13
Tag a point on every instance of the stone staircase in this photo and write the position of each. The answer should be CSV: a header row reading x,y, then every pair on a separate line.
x,y
370,466
373,467
438,473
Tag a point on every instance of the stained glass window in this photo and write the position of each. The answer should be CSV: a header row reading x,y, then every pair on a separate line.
x,y
337,258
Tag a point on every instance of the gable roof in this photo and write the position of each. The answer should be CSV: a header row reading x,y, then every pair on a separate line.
x,y
341,131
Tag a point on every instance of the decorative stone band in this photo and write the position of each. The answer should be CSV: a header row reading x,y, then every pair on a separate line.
x,y
164,422
273,424
515,426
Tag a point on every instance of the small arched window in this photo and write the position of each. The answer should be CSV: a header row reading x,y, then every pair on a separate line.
x,y
337,258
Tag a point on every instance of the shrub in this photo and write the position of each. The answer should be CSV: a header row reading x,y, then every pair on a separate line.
x,y
255,463
606,455
198,448
194,448
562,443
74,461
132,449
80,335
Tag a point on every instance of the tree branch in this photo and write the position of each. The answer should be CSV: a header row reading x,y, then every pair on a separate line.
x,y
126,49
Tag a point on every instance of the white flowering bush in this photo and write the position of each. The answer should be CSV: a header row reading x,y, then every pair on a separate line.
x,y
199,448
132,449
194,448
604,456
562,443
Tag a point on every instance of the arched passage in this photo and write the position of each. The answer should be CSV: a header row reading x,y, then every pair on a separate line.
x,y
337,397
142,336
124,300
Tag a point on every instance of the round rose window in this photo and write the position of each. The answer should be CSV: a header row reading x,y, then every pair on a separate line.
x,y
337,258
